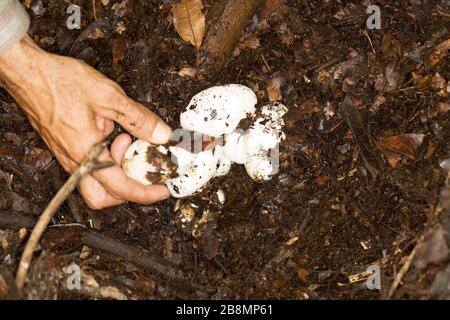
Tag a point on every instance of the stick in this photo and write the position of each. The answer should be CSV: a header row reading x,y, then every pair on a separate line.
x,y
89,165
76,235
224,33
404,269
95,9
407,264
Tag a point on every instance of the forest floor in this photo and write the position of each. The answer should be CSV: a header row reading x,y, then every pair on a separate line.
x,y
363,181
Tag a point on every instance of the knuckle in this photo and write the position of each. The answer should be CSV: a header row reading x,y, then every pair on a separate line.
x,y
109,91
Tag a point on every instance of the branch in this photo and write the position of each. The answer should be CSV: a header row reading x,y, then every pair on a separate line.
x,y
229,22
73,235
88,166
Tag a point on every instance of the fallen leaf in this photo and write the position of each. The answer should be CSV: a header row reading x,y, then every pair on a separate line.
x,y
299,112
421,82
273,7
97,33
189,21
274,89
18,203
321,180
443,107
37,159
124,8
187,72
440,53
302,274
438,82
396,147
249,42
119,50
392,76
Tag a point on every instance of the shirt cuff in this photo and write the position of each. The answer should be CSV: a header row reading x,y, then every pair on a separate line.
x,y
14,24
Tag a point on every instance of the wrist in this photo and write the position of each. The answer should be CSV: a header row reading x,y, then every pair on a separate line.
x,y
23,71
20,65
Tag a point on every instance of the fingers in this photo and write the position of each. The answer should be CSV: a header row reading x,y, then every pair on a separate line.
x,y
138,120
109,187
116,182
95,196
120,146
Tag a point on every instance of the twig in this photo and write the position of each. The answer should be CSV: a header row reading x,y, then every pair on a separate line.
x,y
95,9
89,165
74,235
403,270
407,264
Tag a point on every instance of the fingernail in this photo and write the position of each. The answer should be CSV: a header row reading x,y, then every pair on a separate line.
x,y
162,133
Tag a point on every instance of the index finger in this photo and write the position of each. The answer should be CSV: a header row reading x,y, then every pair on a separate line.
x,y
140,121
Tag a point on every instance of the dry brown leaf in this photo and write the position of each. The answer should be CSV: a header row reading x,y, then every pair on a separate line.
x,y
443,107
97,33
396,147
187,72
302,274
249,42
189,21
440,53
274,89
273,6
119,50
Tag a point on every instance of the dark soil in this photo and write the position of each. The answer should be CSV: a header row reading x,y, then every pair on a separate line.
x,y
336,207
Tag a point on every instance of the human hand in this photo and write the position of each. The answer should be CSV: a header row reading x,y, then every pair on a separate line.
x,y
73,107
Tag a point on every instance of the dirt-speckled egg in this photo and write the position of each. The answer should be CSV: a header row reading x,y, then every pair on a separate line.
x,y
218,110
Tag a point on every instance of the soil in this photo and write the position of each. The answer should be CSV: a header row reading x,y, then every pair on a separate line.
x,y
353,191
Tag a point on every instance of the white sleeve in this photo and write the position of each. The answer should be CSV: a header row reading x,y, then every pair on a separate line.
x,y
14,23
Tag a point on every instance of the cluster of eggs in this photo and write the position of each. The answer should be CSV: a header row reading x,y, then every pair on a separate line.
x,y
218,115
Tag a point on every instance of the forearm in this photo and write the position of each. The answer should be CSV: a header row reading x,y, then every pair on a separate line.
x,y
19,62
19,54
21,68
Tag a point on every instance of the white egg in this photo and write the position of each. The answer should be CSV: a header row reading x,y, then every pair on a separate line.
x,y
147,163
218,110
234,147
262,142
202,170
182,158
223,162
